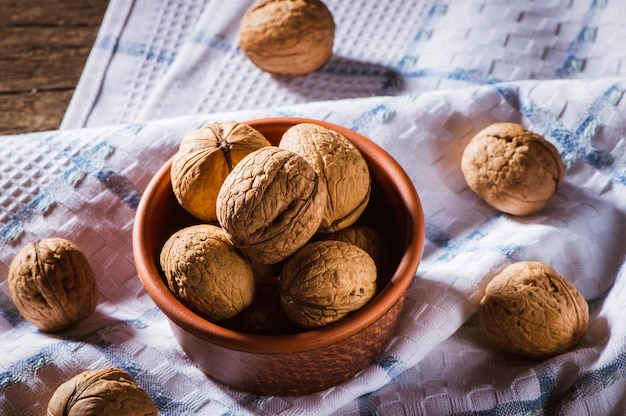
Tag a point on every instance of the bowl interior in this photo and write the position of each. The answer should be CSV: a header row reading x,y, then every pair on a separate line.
x,y
394,211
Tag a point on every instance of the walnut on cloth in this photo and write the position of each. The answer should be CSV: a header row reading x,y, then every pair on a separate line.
x,y
103,392
531,310
271,204
206,273
513,169
52,284
324,281
340,165
287,37
204,158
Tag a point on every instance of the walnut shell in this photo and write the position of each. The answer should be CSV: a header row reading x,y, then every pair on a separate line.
x,y
206,273
104,392
287,37
52,284
324,281
264,316
514,170
531,310
364,237
271,204
204,158
340,165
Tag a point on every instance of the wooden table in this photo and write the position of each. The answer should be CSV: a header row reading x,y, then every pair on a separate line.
x,y
44,45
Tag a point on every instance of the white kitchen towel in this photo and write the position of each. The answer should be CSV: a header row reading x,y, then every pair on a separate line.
x,y
84,185
419,78
159,59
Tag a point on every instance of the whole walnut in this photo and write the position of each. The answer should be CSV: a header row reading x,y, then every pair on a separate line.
x,y
324,281
340,165
287,37
531,310
104,392
206,273
52,284
271,204
264,274
264,316
364,237
204,158
514,170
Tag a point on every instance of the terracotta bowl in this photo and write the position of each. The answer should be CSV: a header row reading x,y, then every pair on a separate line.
x,y
307,361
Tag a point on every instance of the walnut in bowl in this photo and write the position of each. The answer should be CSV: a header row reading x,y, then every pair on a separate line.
x,y
308,360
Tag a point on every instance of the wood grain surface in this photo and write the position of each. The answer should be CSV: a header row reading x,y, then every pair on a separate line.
x,y
44,45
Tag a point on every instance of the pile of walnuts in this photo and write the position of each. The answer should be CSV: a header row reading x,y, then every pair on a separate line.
x,y
277,220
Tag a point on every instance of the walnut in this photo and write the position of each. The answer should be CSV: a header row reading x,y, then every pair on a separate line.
x,y
530,309
514,170
204,158
264,316
271,204
364,237
340,165
104,392
264,274
52,284
287,37
324,281
206,273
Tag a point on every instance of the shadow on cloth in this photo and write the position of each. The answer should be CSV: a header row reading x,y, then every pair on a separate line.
x,y
343,78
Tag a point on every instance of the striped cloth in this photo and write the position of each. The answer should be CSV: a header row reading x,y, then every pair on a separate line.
x,y
172,58
420,81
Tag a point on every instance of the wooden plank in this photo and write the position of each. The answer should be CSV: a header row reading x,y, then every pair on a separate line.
x,y
43,48
47,58
33,111
51,12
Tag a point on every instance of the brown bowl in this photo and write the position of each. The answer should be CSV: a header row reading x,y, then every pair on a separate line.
x,y
303,362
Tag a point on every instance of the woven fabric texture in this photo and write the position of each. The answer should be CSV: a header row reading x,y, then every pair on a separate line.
x,y
419,78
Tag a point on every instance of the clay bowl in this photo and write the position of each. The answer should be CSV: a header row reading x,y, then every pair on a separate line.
x,y
298,362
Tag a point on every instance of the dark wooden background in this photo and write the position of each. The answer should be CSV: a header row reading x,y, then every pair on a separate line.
x,y
44,45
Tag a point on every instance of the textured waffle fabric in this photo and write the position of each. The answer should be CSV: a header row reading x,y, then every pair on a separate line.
x,y
419,78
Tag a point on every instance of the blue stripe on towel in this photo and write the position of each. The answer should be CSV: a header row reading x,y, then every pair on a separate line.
x,y
574,62
391,364
469,75
379,114
435,234
216,41
246,402
473,241
369,405
577,142
91,161
136,49
551,398
120,186
9,312
116,356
